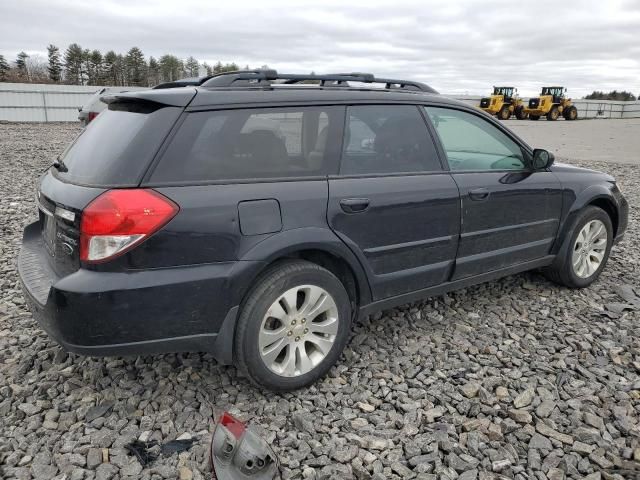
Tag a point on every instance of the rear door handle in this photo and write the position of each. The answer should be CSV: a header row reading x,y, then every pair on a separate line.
x,y
354,205
479,194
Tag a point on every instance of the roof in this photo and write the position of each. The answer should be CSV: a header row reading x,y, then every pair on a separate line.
x,y
195,97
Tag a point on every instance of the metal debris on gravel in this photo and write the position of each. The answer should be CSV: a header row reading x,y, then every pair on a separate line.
x,y
517,378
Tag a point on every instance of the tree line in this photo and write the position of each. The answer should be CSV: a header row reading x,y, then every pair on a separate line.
x,y
82,66
612,95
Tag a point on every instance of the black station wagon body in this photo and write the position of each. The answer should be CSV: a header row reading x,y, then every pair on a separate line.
x,y
398,194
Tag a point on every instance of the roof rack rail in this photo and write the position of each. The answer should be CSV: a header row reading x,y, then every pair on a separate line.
x,y
268,77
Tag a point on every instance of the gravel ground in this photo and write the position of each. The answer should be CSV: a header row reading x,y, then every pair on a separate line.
x,y
517,378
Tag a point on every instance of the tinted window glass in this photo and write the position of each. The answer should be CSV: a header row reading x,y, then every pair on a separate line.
x,y
250,143
472,143
387,139
116,147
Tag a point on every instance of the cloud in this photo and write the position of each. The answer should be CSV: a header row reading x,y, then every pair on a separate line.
x,y
457,46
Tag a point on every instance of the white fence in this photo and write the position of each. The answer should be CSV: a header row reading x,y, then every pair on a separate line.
x,y
28,102
25,102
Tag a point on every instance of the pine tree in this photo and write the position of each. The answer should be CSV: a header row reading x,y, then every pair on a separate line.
x,y
21,62
153,73
73,58
96,68
121,71
55,66
110,68
87,74
170,68
208,68
4,69
136,67
192,67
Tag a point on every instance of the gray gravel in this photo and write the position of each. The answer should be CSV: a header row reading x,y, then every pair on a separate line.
x,y
517,378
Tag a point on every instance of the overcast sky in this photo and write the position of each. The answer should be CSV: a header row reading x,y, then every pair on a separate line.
x,y
455,46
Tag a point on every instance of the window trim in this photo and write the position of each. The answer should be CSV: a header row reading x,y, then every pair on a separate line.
x,y
331,155
444,167
527,152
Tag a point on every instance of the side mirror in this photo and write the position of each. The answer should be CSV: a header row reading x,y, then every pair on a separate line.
x,y
542,159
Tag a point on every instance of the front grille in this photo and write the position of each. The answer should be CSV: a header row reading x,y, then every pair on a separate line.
x,y
484,103
534,102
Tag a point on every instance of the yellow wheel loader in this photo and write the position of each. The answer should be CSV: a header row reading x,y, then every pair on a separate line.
x,y
503,103
551,103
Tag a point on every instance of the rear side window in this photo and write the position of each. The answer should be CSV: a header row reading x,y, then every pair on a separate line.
x,y
251,144
116,148
381,139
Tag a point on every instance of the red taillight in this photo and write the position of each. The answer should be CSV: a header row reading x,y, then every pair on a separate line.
x,y
91,116
119,219
235,426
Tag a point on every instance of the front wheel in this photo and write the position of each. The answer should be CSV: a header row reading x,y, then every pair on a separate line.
x,y
504,113
570,113
293,326
553,114
585,252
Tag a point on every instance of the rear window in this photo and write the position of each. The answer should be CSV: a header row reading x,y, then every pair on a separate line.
x,y
116,148
252,144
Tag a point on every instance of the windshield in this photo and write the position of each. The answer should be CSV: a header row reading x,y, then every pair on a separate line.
x,y
117,146
506,91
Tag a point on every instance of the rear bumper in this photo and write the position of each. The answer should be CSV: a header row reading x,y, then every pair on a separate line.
x,y
190,308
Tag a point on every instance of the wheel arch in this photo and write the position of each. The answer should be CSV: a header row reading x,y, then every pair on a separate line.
x,y
317,245
596,195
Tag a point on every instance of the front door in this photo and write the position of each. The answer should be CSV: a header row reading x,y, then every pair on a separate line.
x,y
510,213
392,203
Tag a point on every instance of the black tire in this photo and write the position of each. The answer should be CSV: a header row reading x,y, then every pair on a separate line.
x,y
504,113
554,113
570,113
520,113
562,271
534,117
270,286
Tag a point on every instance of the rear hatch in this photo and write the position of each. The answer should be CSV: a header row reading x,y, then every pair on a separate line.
x,y
114,151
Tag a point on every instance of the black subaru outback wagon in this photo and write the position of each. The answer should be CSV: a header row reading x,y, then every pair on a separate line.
x,y
258,215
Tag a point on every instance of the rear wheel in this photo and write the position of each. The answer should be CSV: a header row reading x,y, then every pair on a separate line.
x,y
293,326
554,113
584,253
520,113
534,117
504,113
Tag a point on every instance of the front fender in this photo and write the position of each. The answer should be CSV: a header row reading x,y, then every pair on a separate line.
x,y
289,242
574,203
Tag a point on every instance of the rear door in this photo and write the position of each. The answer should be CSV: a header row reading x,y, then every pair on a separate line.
x,y
510,213
392,203
241,176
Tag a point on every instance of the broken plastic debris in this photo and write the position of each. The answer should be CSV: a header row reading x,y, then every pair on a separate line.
x,y
238,452
146,453
141,450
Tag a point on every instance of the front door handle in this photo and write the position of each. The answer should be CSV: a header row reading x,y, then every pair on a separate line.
x,y
479,194
354,205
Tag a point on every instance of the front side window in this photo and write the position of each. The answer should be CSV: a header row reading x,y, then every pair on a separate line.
x,y
382,139
472,143
250,144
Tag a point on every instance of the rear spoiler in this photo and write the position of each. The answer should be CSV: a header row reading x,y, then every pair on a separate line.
x,y
172,97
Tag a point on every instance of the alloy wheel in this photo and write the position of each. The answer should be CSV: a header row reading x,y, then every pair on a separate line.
x,y
298,330
589,249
